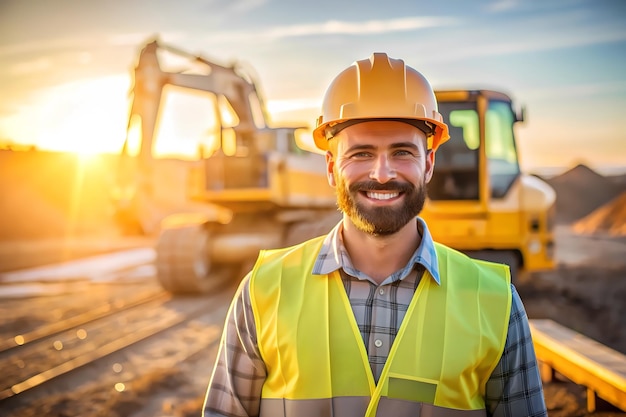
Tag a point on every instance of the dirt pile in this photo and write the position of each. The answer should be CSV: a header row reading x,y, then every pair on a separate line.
x,y
580,191
610,218
619,180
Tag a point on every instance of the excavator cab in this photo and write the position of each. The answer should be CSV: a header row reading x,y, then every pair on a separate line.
x,y
479,200
458,162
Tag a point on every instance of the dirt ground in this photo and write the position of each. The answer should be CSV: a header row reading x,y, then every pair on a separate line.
x,y
587,292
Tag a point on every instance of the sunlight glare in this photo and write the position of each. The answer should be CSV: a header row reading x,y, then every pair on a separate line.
x,y
188,123
133,136
86,117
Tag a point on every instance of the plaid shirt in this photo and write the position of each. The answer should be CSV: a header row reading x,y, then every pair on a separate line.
x,y
513,390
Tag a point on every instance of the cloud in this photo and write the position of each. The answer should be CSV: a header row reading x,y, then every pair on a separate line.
x,y
549,32
30,67
45,63
92,42
243,6
536,6
48,44
502,6
338,27
577,91
533,45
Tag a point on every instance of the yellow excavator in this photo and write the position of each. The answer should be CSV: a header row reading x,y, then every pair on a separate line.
x,y
201,169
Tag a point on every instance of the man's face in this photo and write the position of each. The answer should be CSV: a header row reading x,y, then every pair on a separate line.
x,y
380,170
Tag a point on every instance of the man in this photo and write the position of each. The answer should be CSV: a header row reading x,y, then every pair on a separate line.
x,y
375,319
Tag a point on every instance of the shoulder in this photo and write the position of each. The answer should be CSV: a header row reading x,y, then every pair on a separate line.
x,y
519,318
448,254
273,266
286,251
273,257
457,266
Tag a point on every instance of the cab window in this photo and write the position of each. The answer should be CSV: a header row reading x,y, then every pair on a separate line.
x,y
456,162
500,148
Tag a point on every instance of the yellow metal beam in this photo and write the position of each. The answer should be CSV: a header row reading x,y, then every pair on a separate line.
x,y
582,360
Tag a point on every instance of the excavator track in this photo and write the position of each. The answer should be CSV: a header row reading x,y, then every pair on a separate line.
x,y
183,262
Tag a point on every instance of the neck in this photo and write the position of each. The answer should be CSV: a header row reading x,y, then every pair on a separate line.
x,y
380,256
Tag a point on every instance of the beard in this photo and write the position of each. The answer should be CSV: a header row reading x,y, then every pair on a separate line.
x,y
380,221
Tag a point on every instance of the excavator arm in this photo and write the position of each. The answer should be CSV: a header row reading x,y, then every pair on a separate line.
x,y
201,168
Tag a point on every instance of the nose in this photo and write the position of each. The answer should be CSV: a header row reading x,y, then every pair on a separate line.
x,y
383,170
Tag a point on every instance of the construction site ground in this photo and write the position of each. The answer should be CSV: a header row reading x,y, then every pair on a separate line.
x,y
586,292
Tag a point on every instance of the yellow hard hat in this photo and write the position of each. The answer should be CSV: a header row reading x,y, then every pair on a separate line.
x,y
380,88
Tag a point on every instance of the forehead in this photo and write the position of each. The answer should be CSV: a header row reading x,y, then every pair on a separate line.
x,y
380,134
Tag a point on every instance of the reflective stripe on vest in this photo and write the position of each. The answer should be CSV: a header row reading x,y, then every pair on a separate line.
x,y
316,361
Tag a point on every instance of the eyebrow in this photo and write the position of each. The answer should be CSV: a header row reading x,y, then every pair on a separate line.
x,y
394,145
404,145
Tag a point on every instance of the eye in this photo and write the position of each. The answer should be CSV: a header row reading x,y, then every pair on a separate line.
x,y
361,155
403,152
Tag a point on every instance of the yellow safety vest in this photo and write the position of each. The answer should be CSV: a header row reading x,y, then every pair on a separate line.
x,y
448,344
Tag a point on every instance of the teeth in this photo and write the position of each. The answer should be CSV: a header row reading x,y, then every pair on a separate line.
x,y
382,196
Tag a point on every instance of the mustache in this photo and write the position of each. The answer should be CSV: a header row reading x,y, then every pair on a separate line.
x,y
376,186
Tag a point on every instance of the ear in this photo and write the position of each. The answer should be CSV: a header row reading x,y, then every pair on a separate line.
x,y
430,166
330,166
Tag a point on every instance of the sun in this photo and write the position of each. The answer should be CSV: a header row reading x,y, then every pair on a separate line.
x,y
85,117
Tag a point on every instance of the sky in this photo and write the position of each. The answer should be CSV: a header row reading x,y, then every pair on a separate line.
x,y
65,65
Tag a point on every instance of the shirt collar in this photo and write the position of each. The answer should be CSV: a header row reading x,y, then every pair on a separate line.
x,y
333,256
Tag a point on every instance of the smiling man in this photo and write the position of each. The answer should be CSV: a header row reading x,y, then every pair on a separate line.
x,y
376,319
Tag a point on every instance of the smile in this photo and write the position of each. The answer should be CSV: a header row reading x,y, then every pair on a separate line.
x,y
382,196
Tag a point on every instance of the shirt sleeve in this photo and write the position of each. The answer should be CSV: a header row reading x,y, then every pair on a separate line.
x,y
235,386
514,388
